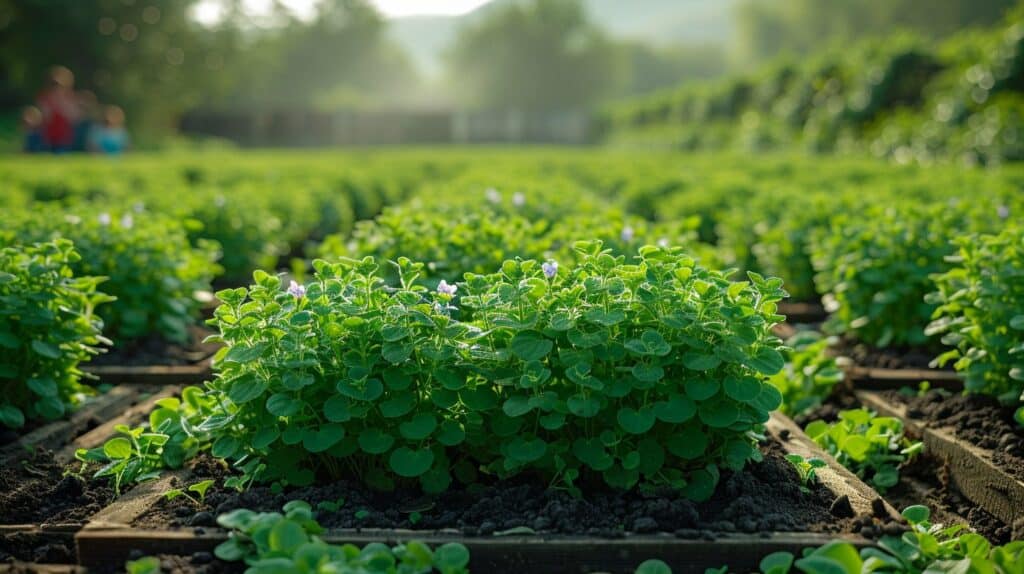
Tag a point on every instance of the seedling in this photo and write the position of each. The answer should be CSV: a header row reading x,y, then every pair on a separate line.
x,y
198,488
807,469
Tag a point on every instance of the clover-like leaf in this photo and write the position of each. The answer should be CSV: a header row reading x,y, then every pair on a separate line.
x,y
410,463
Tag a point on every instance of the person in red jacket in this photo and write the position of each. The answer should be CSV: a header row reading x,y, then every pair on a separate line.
x,y
59,106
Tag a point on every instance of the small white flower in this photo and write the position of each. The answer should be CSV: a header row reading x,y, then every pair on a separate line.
x,y
445,288
139,207
296,290
550,268
518,199
219,201
104,219
1003,211
663,243
127,221
493,195
627,234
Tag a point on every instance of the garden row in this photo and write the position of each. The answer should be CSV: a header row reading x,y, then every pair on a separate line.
x,y
608,370
900,97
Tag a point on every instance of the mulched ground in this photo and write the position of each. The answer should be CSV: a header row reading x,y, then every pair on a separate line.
x,y
764,497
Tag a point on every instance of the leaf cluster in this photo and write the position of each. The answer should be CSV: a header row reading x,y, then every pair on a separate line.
x,y
981,314
271,542
809,375
652,372
871,446
48,326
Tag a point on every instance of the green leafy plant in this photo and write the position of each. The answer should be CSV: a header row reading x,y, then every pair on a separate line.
x,y
150,266
650,371
807,468
926,548
874,267
271,542
48,326
871,446
172,436
653,566
981,314
810,373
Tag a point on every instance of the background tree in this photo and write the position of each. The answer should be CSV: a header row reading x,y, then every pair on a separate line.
x,y
541,54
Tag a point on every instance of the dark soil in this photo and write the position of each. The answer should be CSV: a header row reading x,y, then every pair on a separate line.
x,y
155,350
764,497
891,358
37,491
925,480
198,563
977,419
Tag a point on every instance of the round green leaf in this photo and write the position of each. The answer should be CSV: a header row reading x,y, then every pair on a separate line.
x,y
743,389
719,412
583,406
451,557
368,390
42,386
336,409
283,405
530,345
451,433
118,448
225,446
636,421
524,451
375,441
653,567
319,440
676,409
701,389
411,463
517,405
286,536
689,443
419,427
400,404
11,416
767,361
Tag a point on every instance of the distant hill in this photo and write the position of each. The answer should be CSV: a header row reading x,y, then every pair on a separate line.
x,y
425,38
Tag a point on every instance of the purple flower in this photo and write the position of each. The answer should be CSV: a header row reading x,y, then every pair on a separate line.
x,y
104,219
550,268
493,195
518,199
296,290
445,289
1003,211
627,234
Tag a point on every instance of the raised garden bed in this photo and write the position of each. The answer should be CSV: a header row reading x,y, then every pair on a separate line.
x,y
981,453
754,512
44,499
803,311
155,361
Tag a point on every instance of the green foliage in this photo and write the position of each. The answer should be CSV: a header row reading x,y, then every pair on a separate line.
x,y
900,97
875,267
652,372
871,446
809,375
981,313
542,54
144,565
48,326
170,437
198,488
807,468
271,542
925,549
150,266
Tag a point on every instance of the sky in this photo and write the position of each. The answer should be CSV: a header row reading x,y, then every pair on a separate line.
x,y
209,11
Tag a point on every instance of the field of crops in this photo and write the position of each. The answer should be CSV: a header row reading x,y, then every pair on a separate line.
x,y
541,360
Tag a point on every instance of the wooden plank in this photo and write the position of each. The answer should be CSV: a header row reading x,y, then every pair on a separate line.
x,y
193,374
58,433
970,467
123,511
875,379
33,568
835,476
539,554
